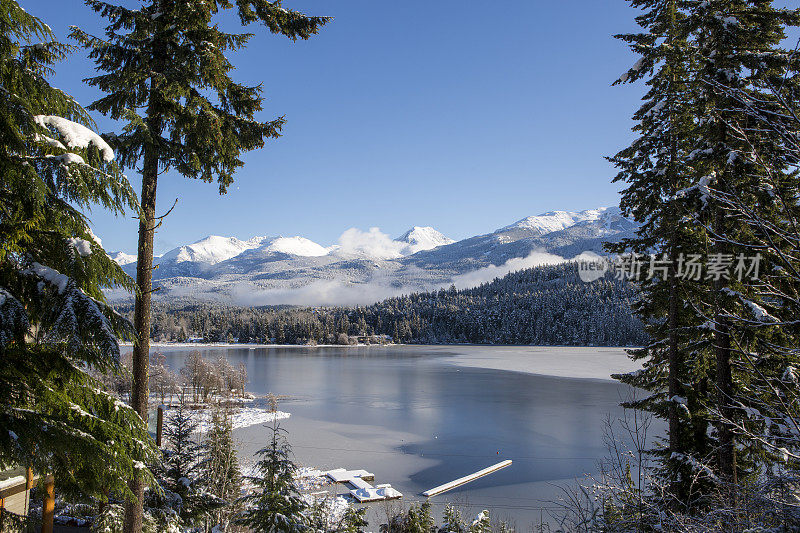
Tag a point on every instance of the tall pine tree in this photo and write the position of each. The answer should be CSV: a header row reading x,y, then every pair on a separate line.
x,y
732,52
738,46
166,75
657,168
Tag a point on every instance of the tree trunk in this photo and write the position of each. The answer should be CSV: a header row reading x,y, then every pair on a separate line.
x,y
726,454
674,363
673,383
141,321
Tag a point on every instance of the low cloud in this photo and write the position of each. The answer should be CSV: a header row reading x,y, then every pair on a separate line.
x,y
322,293
489,273
382,285
373,244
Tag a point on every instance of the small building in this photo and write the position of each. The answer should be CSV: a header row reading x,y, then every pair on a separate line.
x,y
15,491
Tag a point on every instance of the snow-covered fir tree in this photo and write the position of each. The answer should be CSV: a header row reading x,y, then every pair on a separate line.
x,y
275,506
55,327
727,181
657,167
762,128
324,517
181,475
219,469
739,47
452,521
167,75
418,518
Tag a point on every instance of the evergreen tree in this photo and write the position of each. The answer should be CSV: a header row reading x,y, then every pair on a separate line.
x,y
417,519
657,167
354,520
180,474
482,523
220,468
167,76
55,327
323,518
276,506
751,156
768,323
738,47
452,522
702,50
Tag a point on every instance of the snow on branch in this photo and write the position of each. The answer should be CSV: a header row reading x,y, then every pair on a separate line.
x,y
76,135
76,315
13,317
82,246
54,277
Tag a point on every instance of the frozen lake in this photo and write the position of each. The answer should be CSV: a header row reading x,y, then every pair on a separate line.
x,y
420,416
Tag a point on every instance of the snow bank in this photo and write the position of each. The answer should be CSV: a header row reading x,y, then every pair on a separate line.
x,y
242,417
564,362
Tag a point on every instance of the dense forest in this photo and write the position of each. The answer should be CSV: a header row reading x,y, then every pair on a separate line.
x,y
547,305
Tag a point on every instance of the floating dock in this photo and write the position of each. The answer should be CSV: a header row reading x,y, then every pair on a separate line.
x,y
466,479
363,491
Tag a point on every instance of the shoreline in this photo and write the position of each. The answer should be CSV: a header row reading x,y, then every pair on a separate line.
x,y
464,345
596,363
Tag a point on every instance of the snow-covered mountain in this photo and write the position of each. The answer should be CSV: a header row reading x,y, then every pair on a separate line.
x,y
122,258
210,251
558,232
423,238
559,220
367,266
299,246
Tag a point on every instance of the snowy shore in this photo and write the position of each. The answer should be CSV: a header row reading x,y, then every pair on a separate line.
x,y
570,362
242,417
575,362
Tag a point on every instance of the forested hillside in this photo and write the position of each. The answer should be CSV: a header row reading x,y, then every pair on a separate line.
x,y
543,306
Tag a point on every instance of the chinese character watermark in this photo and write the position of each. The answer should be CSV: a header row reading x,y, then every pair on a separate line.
x,y
692,267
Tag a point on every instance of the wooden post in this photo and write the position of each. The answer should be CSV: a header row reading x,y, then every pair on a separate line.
x,y
29,483
159,425
48,505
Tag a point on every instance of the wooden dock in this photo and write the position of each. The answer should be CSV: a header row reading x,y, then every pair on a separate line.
x,y
363,491
466,479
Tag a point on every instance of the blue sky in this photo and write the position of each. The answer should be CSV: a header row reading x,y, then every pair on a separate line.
x,y
465,116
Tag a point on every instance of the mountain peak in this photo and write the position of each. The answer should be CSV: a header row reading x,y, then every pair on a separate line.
x,y
121,258
211,250
299,246
560,220
421,238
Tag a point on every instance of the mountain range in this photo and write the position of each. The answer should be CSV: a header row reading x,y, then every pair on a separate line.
x,y
364,267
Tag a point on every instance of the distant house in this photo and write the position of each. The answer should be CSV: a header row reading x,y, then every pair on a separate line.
x,y
374,339
195,339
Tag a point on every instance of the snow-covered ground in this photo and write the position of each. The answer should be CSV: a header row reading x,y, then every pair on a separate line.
x,y
242,417
556,361
197,345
